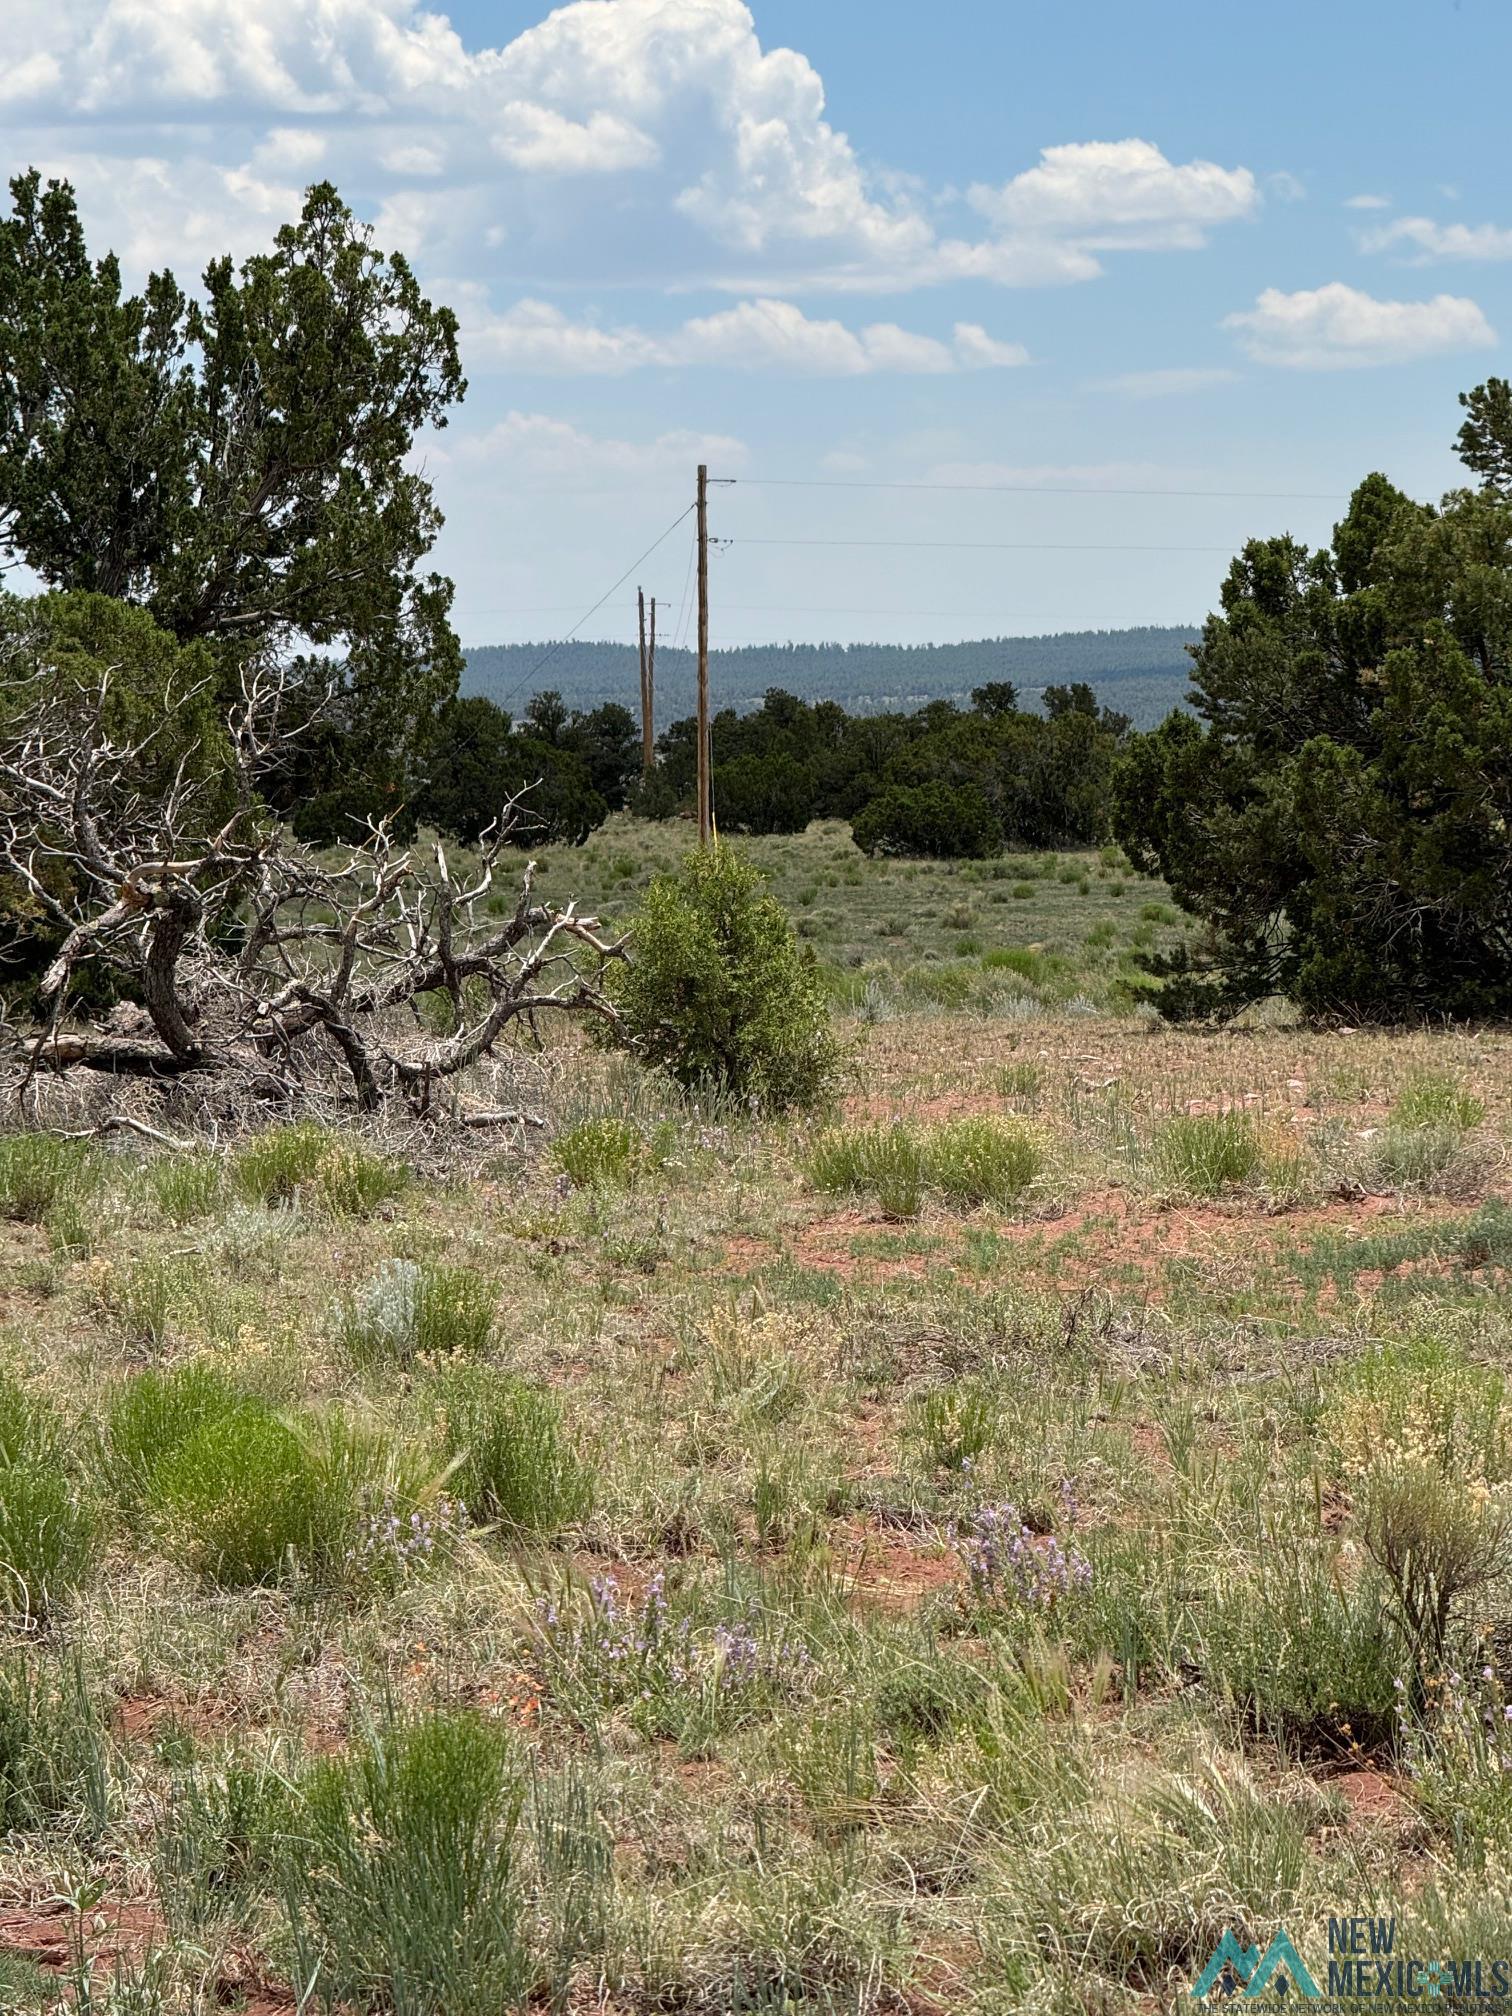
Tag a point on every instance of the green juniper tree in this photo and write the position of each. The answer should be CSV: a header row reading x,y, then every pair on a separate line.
x,y
1340,812
237,462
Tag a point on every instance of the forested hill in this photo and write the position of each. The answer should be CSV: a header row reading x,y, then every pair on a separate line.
x,y
1143,673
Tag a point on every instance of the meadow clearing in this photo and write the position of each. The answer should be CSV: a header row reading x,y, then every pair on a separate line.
x,y
963,1552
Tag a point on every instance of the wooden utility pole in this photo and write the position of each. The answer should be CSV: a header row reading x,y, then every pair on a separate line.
x,y
648,744
705,818
640,603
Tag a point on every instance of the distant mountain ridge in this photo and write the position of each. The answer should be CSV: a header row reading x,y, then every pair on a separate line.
x,y
1142,672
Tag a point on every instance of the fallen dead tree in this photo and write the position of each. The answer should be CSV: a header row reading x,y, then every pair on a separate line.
x,y
228,950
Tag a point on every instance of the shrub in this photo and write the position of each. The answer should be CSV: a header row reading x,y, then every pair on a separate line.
x,y
1427,1157
718,991
400,1882
408,1310
940,820
511,1463
1205,1153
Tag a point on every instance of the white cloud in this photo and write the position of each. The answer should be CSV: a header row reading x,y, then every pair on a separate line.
x,y
1337,327
1367,202
1424,241
610,134
1169,383
974,347
539,444
1107,195
761,334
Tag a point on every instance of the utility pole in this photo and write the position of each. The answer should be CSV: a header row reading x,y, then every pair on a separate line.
x,y
705,819
648,749
645,690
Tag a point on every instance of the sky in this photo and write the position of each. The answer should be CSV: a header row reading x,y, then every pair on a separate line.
x,y
1004,316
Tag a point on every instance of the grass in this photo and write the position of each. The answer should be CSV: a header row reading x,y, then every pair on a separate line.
x,y
543,1575
965,1164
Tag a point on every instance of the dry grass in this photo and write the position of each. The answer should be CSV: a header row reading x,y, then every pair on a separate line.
x,y
764,1740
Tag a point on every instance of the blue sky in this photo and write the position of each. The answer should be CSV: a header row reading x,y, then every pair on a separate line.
x,y
1052,265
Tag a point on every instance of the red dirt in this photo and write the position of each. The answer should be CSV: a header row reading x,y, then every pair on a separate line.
x,y
890,1573
1370,1797
117,1929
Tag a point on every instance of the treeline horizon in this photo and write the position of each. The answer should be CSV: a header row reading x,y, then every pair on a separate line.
x,y
1149,665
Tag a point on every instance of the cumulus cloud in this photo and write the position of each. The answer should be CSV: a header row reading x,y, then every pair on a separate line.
x,y
1367,202
761,334
1337,327
1423,241
540,444
1109,195
609,132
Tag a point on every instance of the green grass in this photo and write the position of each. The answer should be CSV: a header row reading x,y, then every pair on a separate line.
x,y
1204,1154
965,1163
512,1591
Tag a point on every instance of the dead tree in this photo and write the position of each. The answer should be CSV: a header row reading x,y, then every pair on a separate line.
x,y
229,948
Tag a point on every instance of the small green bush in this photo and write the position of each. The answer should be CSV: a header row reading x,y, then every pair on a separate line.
x,y
718,991
511,1463
409,1310
610,1153
400,1882
1203,1154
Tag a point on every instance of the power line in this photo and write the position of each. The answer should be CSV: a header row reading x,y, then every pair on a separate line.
x,y
1022,489
547,657
980,545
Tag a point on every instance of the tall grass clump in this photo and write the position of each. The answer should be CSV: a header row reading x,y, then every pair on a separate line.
x,y
983,1161
38,1172
400,1883
241,1501
186,1187
315,1165
409,1310
967,1162
511,1462
1434,1099
885,1162
54,1749
610,1152
1204,1154
48,1527
149,1419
